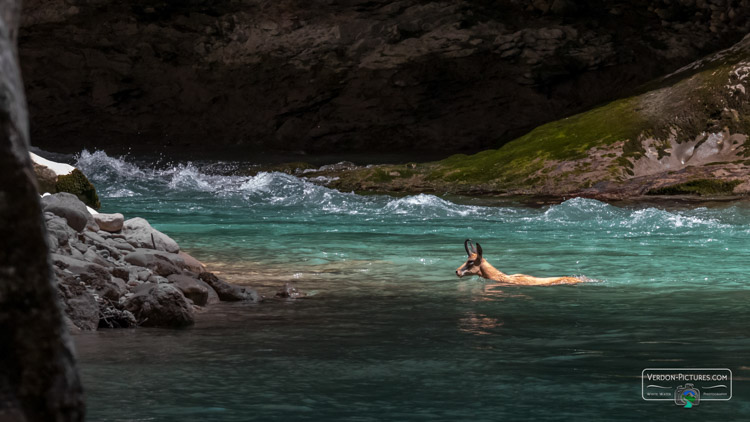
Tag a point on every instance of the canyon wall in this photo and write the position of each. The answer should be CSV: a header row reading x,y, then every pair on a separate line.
x,y
38,376
346,75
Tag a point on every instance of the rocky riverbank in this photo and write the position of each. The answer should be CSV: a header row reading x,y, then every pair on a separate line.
x,y
114,273
686,134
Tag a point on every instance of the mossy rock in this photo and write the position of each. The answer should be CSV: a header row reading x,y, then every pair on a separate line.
x,y
700,187
79,185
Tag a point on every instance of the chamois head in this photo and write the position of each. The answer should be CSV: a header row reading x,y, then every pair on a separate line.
x,y
471,266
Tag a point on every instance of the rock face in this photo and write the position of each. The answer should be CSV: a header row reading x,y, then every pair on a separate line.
x,y
346,75
38,376
101,275
688,134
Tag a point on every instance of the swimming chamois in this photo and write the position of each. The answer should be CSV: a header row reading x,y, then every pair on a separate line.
x,y
476,265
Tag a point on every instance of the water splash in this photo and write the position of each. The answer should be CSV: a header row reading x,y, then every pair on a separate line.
x,y
118,177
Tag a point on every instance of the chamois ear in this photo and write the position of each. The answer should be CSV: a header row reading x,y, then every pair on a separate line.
x,y
479,253
466,246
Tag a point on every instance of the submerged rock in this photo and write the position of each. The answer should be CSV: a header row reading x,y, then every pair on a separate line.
x,y
160,305
229,292
192,288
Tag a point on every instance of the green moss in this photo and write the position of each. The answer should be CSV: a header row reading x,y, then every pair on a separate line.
x,y
80,186
701,187
566,139
380,176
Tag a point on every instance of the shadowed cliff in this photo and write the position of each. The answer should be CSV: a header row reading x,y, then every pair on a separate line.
x,y
38,378
345,75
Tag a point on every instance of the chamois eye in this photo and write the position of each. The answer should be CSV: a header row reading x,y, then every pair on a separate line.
x,y
469,263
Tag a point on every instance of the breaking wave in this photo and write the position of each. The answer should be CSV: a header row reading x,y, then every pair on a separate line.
x,y
116,177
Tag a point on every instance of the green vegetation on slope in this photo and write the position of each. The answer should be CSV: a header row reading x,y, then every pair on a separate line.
x,y
683,108
566,139
701,187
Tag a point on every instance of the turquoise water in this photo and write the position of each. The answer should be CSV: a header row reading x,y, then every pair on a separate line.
x,y
388,332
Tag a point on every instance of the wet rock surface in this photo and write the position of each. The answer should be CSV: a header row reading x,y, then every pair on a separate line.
x,y
229,292
160,305
345,76
289,291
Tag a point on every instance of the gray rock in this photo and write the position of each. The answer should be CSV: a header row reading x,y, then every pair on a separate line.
x,y
79,246
111,289
75,218
71,208
161,263
192,264
139,233
157,279
58,227
52,242
110,222
192,288
229,292
213,297
122,272
79,267
143,275
160,305
92,238
79,305
92,256
122,245
76,254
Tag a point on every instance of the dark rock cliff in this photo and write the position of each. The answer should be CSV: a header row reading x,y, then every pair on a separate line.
x,y
347,75
38,378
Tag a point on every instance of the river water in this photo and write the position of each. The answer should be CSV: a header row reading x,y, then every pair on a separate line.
x,y
388,332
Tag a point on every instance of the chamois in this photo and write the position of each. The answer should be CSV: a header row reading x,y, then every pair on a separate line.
x,y
477,265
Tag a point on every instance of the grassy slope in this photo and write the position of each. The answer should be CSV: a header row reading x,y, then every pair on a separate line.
x,y
688,106
566,139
